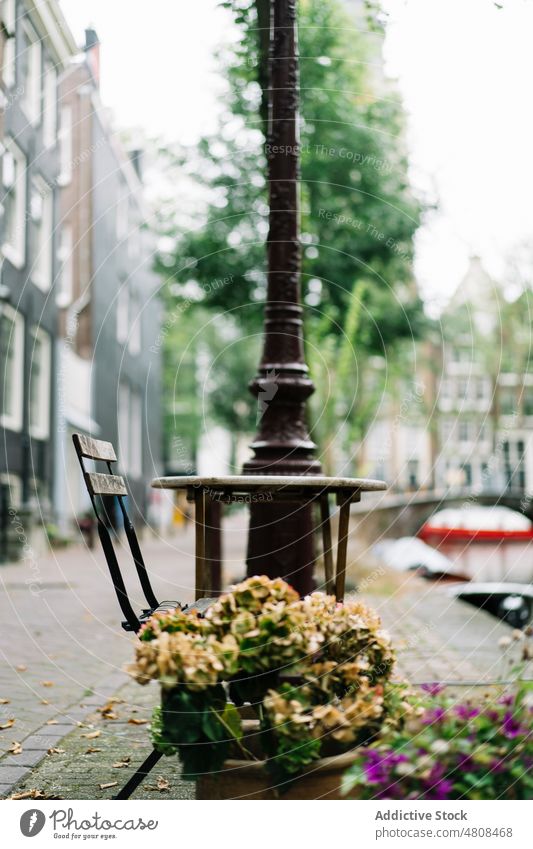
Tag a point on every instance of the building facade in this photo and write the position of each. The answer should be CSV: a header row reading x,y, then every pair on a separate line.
x,y
78,298
37,46
110,311
463,419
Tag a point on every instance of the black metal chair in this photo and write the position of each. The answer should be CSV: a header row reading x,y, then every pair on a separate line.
x,y
110,484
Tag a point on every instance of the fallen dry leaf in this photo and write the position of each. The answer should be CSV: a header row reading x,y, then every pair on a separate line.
x,y
121,764
91,749
92,735
4,701
8,724
133,721
107,711
15,748
55,751
33,794
45,702
47,683
108,785
162,785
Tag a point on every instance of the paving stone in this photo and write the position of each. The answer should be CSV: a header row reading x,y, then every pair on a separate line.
x,y
10,774
26,758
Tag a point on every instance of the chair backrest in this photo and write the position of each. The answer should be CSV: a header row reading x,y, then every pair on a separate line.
x,y
110,484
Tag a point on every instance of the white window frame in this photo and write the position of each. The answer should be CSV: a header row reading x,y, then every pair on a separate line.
x,y
31,97
14,483
12,420
10,20
124,426
135,325
64,138
123,313
49,105
40,429
65,280
15,249
136,435
122,221
43,224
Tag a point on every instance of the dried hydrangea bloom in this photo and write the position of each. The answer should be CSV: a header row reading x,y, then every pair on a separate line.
x,y
252,595
194,660
172,621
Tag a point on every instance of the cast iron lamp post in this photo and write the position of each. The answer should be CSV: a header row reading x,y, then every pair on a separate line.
x,y
281,535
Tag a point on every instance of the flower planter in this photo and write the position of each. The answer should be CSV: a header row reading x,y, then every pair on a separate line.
x,y
240,779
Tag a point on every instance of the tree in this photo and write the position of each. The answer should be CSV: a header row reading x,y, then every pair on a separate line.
x,y
358,212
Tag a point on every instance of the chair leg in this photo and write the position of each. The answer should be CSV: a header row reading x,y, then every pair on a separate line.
x,y
342,546
140,775
326,543
199,519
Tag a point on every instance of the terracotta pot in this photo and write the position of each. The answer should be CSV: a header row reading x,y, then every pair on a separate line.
x,y
240,779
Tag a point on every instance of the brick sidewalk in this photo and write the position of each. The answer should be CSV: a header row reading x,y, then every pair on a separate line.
x,y
436,638
61,640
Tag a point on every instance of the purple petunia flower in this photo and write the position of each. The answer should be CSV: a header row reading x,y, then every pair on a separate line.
x,y
434,715
432,688
511,727
466,712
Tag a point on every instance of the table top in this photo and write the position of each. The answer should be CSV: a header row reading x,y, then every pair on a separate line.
x,y
273,483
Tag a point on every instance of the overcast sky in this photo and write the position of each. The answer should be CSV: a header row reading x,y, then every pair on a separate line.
x,y
465,70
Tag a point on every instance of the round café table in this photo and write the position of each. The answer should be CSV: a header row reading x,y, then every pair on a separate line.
x,y
300,489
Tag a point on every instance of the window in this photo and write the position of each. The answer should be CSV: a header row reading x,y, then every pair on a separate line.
x,y
135,465
481,389
64,255
8,10
39,384
446,430
464,431
123,313
462,389
514,465
130,430
135,318
64,138
12,367
30,59
49,105
412,473
10,491
122,214
124,426
14,201
41,210
467,474
528,402
507,402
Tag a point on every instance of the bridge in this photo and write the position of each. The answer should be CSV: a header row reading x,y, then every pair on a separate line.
x,y
396,515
